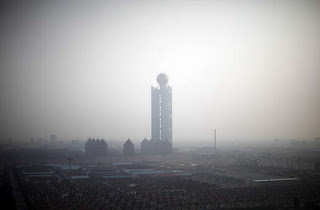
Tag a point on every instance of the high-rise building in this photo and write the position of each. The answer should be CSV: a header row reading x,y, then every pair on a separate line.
x,y
161,119
161,110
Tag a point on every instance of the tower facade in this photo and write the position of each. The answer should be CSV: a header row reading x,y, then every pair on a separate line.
x,y
128,148
161,110
96,148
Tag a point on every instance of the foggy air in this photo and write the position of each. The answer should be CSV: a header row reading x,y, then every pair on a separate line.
x,y
160,104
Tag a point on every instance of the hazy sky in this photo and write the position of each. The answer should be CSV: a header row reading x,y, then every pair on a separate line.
x,y
250,69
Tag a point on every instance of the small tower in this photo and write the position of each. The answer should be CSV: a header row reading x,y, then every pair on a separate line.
x,y
145,146
128,148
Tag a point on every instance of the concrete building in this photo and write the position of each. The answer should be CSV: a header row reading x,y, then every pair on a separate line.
x,y
156,147
145,146
161,119
161,110
96,148
128,148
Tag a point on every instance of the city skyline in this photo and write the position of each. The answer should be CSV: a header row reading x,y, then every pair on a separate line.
x,y
177,104
250,70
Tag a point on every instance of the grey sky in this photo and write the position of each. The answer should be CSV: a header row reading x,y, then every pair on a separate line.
x,y
251,69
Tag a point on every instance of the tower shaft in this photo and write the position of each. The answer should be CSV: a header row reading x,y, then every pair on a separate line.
x,y
161,108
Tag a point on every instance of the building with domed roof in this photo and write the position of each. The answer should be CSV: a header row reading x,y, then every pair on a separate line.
x,y
161,110
161,119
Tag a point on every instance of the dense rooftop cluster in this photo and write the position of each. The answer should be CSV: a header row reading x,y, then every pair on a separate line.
x,y
157,193
220,181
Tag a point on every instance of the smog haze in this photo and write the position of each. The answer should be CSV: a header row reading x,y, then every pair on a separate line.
x,y
81,68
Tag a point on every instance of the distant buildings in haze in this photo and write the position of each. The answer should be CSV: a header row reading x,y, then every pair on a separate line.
x,y
128,148
161,126
96,148
53,139
155,147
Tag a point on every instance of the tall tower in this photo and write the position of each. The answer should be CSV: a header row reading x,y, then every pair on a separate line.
x,y
161,108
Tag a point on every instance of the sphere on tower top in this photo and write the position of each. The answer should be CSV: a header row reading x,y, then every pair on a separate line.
x,y
162,79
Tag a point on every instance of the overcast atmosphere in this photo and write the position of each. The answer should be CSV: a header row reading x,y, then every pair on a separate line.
x,y
79,69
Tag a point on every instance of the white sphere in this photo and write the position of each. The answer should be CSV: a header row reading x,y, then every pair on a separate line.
x,y
162,79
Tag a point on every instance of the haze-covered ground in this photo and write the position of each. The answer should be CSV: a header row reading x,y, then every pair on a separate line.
x,y
60,175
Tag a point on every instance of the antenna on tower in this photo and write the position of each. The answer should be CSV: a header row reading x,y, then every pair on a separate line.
x,y
215,139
